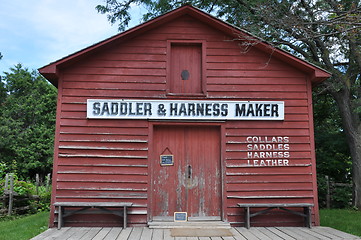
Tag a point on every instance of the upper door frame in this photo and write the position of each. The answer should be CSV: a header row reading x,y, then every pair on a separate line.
x,y
203,44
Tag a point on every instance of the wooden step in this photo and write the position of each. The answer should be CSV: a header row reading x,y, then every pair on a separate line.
x,y
189,224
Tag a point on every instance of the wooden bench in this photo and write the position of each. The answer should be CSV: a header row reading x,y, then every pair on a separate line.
x,y
283,206
86,205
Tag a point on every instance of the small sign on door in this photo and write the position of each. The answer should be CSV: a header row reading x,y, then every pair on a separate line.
x,y
180,216
166,160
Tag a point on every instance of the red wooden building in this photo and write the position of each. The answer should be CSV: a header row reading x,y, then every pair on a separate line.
x,y
184,113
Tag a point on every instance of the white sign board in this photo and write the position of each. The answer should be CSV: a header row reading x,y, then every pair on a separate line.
x,y
184,109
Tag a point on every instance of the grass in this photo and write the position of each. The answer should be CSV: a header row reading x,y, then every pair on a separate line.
x,y
23,228
346,220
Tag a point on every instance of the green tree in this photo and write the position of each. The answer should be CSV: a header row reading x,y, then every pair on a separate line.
x,y
324,32
27,122
2,92
333,156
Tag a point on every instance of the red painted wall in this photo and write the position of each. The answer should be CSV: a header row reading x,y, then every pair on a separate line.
x,y
107,160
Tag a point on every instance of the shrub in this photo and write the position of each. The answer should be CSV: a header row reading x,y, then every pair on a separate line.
x,y
27,199
341,193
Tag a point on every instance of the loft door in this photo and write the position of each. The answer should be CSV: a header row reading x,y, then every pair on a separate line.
x,y
186,69
186,172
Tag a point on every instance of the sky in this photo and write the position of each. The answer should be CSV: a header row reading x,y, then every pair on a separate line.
x,y
38,32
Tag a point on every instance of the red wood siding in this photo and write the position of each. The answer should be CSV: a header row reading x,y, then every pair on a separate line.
x,y
103,162
108,160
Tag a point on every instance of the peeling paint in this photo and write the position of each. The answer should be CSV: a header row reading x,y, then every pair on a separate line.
x,y
163,204
179,190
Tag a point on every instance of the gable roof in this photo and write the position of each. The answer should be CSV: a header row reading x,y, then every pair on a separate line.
x,y
51,71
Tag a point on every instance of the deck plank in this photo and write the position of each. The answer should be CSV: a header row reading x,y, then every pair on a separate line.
x,y
91,233
56,233
247,234
136,233
68,234
124,234
289,232
147,234
102,234
203,238
227,238
237,235
256,231
305,234
113,233
338,233
325,233
280,234
167,235
240,233
176,238
158,234
192,238
315,234
43,235
79,233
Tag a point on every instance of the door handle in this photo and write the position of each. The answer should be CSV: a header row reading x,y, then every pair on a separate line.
x,y
189,171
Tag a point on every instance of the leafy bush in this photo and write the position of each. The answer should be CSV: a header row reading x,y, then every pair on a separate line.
x,y
43,202
322,190
28,200
341,194
341,197
23,188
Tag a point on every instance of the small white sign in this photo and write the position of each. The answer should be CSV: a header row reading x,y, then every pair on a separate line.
x,y
184,109
180,217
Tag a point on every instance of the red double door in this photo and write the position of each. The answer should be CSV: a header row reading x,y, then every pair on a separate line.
x,y
193,183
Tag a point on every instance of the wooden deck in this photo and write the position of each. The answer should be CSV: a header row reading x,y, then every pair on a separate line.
x,y
144,233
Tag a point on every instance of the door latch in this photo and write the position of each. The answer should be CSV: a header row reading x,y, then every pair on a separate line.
x,y
189,171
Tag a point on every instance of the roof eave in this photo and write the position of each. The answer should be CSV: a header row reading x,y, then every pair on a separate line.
x,y
51,70
316,74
